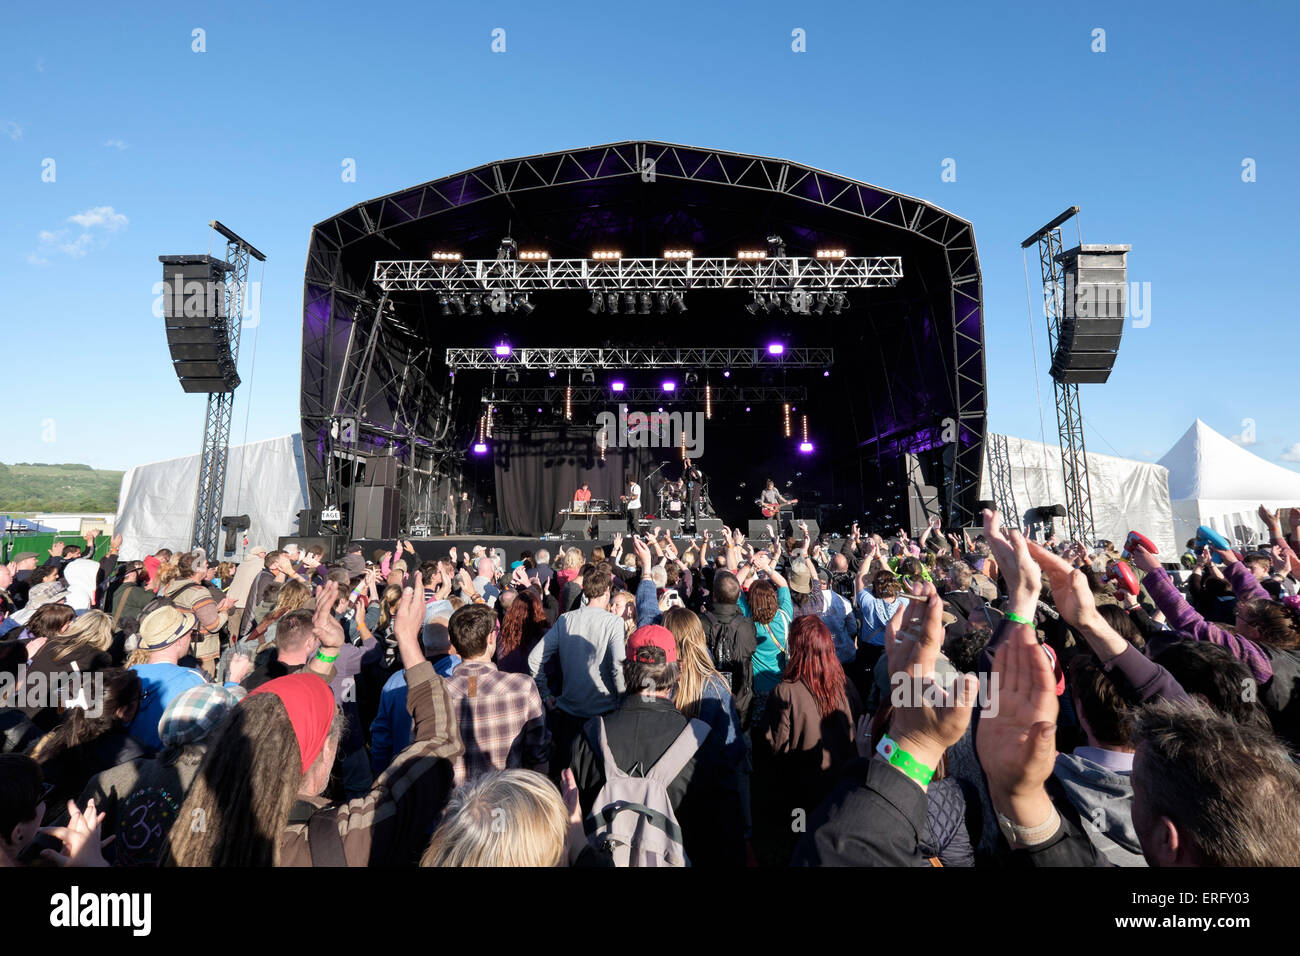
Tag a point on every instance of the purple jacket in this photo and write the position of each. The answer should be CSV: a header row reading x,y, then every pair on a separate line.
x,y
1188,625
1141,679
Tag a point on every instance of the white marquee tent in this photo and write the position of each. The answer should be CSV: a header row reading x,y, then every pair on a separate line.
x,y
1214,481
266,480
1127,495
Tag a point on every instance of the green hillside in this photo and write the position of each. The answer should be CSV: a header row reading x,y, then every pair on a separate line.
x,y
25,488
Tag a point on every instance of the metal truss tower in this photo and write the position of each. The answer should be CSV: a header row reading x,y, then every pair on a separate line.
x,y
221,405
1069,415
1004,495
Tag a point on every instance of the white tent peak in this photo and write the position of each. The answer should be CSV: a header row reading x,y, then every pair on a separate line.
x,y
1207,465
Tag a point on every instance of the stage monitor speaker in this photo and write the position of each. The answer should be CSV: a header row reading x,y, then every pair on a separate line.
x,y
575,529
609,527
381,472
706,525
332,543
672,525
307,523
377,513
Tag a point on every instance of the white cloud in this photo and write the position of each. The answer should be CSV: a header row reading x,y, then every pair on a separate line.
x,y
1292,453
76,244
12,130
1245,438
115,143
100,216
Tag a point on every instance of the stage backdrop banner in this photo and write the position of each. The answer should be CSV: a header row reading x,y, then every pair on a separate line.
x,y
265,480
537,472
1127,495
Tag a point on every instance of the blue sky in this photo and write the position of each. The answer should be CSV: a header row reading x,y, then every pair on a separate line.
x,y
151,140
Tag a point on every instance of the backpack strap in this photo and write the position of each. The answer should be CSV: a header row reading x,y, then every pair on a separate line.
x,y
323,838
771,631
121,603
597,726
679,754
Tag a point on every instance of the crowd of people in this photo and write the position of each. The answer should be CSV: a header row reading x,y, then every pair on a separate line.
x,y
943,700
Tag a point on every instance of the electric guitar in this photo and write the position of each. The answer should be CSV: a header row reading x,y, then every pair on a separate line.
x,y
771,511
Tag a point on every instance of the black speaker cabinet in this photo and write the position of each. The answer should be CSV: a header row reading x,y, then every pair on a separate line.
x,y
377,512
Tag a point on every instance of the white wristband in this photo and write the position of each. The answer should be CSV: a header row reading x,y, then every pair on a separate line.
x,y
1020,836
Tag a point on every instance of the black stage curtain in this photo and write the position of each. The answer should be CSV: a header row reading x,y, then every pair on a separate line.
x,y
538,470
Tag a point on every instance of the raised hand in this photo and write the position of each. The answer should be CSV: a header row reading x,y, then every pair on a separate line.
x,y
324,627
1022,574
241,665
408,622
1069,586
80,838
1016,742
928,717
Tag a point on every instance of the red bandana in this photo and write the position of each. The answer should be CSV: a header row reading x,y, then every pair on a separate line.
x,y
310,705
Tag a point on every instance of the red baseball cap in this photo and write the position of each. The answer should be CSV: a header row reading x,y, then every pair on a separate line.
x,y
643,643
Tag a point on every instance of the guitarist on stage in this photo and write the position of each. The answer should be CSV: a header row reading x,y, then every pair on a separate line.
x,y
770,499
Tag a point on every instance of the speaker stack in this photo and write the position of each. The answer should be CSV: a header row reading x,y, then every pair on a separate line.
x,y
194,317
378,502
1092,321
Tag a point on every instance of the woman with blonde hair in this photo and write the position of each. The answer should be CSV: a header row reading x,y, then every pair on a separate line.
x,y
83,645
508,818
703,692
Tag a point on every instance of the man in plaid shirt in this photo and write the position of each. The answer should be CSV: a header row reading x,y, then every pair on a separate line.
x,y
502,721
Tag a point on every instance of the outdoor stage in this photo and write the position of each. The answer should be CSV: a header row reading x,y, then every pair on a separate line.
x,y
490,340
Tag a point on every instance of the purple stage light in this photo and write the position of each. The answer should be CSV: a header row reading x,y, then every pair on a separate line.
x,y
503,350
480,448
670,386
776,348
826,374
806,447
618,386
726,373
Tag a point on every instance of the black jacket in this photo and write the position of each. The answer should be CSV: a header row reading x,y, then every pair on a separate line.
x,y
876,816
732,640
705,795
